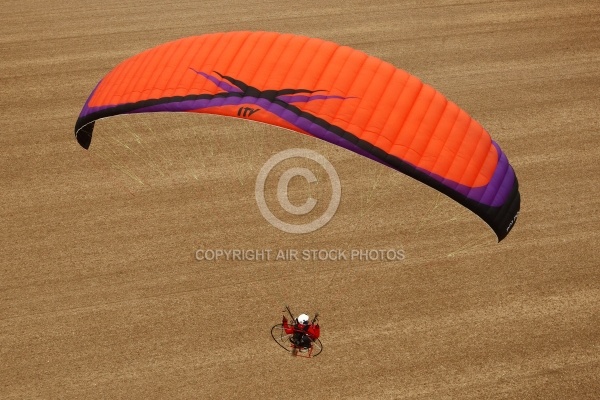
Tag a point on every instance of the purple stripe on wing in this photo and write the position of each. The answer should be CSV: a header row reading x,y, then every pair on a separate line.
x,y
304,99
219,83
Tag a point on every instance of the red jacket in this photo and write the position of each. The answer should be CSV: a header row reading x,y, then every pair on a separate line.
x,y
312,330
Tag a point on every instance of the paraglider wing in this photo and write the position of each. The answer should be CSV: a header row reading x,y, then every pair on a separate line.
x,y
328,91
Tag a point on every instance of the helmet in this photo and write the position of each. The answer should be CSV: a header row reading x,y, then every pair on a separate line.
x,y
303,319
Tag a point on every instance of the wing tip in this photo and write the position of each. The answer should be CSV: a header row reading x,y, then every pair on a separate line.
x,y
83,134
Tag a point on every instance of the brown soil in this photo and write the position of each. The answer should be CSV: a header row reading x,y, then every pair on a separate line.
x,y
101,296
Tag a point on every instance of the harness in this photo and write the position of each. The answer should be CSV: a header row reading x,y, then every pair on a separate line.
x,y
300,333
